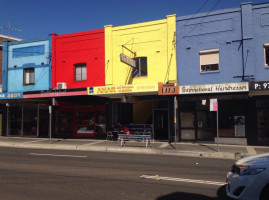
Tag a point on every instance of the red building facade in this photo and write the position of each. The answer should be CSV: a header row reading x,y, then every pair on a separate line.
x,y
78,60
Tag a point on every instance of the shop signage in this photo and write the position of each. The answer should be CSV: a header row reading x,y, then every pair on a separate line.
x,y
258,86
214,88
11,95
55,93
168,90
118,89
127,60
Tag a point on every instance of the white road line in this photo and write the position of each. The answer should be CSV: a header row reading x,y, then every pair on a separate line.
x,y
183,180
56,155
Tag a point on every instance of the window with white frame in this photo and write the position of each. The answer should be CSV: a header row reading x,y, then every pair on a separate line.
x,y
266,55
141,68
209,60
80,72
28,76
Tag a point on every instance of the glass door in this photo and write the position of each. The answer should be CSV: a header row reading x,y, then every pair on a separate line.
x,y
14,120
187,121
161,124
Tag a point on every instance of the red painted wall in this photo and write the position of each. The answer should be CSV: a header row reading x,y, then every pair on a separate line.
x,y
75,48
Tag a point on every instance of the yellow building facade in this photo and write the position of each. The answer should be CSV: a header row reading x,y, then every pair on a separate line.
x,y
151,44
137,58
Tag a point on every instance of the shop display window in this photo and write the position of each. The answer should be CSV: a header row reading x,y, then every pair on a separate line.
x,y
85,122
100,122
65,122
263,125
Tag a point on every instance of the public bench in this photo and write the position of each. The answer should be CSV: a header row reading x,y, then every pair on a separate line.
x,y
135,137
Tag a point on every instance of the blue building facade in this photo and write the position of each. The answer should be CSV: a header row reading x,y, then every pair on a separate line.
x,y
26,69
26,65
222,55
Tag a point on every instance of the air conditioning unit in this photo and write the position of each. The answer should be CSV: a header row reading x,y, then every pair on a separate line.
x,y
61,86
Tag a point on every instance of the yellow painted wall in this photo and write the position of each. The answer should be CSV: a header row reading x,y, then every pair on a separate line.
x,y
155,40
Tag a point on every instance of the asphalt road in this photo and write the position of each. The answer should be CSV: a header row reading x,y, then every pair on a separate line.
x,y
32,174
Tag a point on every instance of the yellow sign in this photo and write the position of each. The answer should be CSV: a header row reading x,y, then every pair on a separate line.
x,y
118,89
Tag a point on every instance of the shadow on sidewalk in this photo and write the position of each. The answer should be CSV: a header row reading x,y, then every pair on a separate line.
x,y
203,145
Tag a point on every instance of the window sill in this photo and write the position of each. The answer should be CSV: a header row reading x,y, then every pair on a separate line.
x,y
205,72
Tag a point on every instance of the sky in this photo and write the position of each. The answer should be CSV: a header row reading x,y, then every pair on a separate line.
x,y
39,18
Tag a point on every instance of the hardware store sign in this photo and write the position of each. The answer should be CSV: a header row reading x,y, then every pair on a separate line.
x,y
117,89
214,88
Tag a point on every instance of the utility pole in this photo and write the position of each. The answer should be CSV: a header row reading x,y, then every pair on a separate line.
x,y
9,28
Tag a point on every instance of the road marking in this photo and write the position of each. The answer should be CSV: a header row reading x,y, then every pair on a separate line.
x,y
57,155
182,180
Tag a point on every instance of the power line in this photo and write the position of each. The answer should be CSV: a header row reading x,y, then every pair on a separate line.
x,y
195,13
214,6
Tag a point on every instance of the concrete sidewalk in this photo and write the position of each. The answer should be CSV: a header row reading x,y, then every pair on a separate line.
x,y
190,149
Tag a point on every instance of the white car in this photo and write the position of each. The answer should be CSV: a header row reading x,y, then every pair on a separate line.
x,y
249,178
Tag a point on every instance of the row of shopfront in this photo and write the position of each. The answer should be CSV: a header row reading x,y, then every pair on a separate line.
x,y
242,109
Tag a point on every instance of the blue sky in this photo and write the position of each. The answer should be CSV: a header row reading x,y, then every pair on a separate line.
x,y
39,18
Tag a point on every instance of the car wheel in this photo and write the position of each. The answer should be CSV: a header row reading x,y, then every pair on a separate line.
x,y
265,193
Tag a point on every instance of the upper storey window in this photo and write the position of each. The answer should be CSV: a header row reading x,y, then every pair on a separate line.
x,y
141,68
28,76
266,54
80,72
28,51
209,60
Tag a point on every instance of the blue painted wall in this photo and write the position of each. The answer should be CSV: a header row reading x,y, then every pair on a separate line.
x,y
26,54
260,31
238,33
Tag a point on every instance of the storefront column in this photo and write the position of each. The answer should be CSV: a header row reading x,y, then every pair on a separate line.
x,y
37,121
22,121
7,120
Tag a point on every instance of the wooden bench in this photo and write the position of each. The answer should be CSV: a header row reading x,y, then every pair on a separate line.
x,y
133,137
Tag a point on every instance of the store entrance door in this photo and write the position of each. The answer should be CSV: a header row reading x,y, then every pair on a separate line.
x,y
43,121
187,121
160,124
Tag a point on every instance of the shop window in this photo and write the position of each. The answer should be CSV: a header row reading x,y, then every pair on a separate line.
x,y
29,76
100,122
209,60
80,72
28,51
141,68
85,122
266,54
65,122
